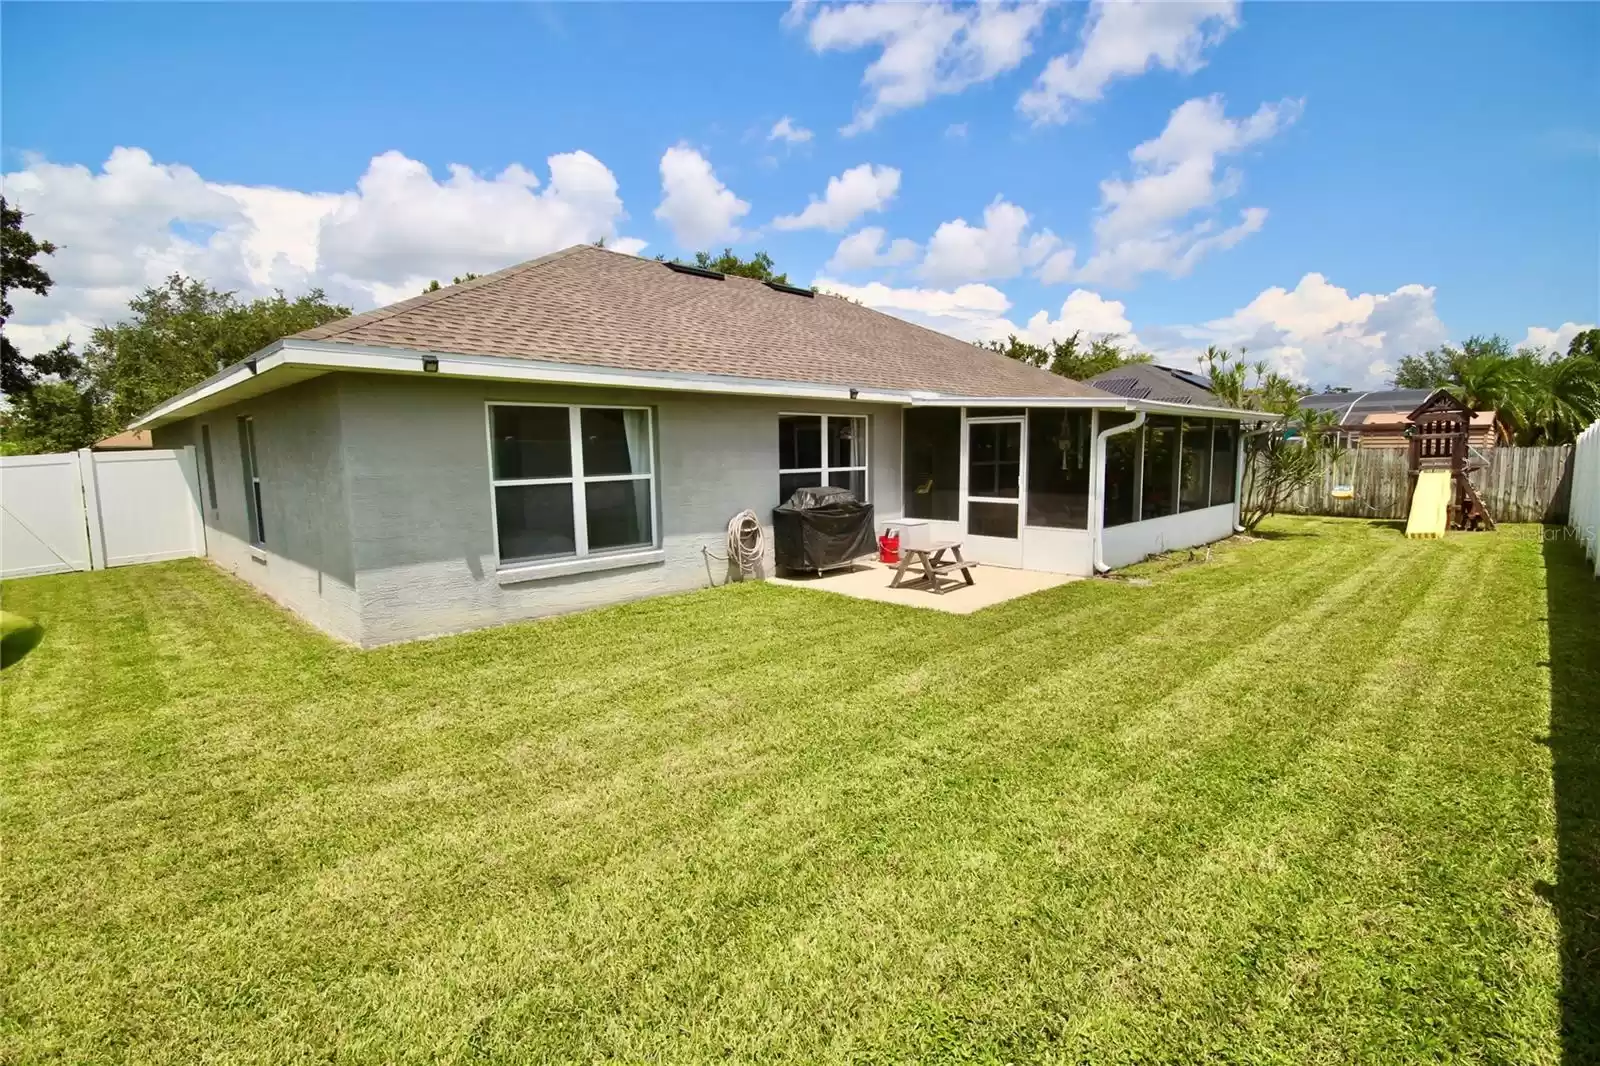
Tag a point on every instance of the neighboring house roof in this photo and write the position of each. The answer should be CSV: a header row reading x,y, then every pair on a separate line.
x,y
1354,407
1388,407
592,307
127,440
1391,418
1148,381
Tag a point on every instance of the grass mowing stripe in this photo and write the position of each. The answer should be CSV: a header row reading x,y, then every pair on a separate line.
x,y
742,824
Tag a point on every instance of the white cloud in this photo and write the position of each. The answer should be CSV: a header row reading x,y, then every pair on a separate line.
x,y
1082,312
1141,225
977,312
956,131
1318,332
1553,340
787,131
967,311
864,250
1119,39
134,221
401,217
924,50
849,196
1002,247
697,207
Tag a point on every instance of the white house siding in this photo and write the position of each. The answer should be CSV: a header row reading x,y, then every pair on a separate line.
x,y
306,564
420,499
1127,544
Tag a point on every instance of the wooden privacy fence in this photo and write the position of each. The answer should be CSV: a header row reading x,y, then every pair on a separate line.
x,y
1584,513
1519,485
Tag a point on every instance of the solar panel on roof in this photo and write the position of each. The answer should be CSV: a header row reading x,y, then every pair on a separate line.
x,y
1199,381
1124,387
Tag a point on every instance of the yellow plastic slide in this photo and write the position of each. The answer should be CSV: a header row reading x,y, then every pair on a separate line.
x,y
1430,502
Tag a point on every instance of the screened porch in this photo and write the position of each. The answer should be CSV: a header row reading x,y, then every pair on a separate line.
x,y
1024,487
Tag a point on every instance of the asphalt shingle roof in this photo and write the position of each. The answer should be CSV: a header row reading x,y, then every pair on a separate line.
x,y
592,307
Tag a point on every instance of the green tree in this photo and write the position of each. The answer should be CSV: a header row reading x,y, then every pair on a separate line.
x,y
1538,397
1560,397
1585,345
758,266
52,416
18,271
1440,367
1431,369
1281,457
1491,381
182,332
434,286
1066,356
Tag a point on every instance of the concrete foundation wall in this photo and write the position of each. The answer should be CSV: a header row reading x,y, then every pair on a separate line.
x,y
306,563
422,524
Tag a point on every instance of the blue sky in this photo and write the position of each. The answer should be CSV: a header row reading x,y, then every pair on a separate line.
x,y
1338,183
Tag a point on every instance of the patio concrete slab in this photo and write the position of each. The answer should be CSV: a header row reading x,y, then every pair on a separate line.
x,y
870,581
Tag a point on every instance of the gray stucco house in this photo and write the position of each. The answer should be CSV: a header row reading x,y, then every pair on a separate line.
x,y
572,431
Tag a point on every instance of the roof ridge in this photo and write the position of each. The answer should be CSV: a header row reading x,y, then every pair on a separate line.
x,y
977,346
444,292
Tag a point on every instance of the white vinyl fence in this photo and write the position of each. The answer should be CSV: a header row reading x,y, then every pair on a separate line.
x,y
89,510
1583,514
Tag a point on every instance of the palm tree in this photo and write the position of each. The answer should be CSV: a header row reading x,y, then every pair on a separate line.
x,y
1563,396
1493,383
1537,400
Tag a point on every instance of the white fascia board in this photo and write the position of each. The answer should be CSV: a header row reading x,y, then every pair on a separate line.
x,y
1115,403
1157,407
333,356
328,356
268,358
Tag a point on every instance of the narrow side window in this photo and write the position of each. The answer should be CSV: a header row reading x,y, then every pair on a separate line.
x,y
252,481
211,470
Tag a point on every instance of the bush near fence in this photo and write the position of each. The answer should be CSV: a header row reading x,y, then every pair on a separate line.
x,y
1519,485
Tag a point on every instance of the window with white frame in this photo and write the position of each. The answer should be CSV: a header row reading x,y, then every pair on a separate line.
x,y
571,481
822,450
252,482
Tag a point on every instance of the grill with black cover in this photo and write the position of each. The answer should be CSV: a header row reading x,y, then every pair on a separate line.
x,y
821,528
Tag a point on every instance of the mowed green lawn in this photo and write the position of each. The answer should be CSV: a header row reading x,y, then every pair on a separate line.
x,y
1296,804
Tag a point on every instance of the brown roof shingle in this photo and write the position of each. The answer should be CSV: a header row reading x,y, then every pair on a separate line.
x,y
591,307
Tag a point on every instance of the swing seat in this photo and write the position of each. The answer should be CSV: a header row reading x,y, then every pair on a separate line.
x,y
1344,492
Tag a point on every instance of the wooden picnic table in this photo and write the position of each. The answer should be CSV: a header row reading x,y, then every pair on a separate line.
x,y
932,567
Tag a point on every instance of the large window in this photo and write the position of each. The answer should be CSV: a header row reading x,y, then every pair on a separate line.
x,y
932,453
1121,504
252,481
1058,468
1159,489
1224,452
211,470
570,481
822,450
1194,486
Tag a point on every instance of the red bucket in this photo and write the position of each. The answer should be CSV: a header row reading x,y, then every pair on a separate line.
x,y
889,548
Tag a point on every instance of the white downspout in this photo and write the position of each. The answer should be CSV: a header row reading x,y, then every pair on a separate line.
x,y
1098,509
